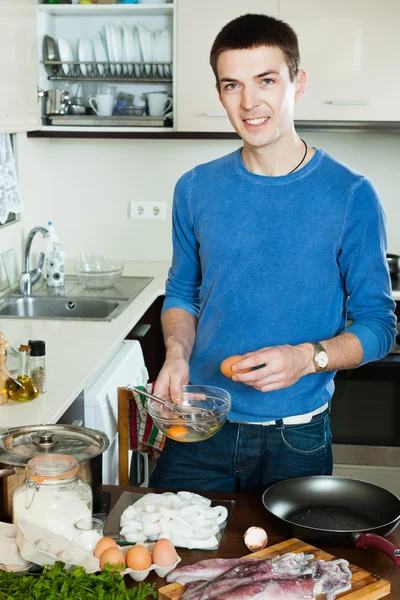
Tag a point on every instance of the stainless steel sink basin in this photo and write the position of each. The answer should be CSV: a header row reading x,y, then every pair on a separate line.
x,y
74,301
58,308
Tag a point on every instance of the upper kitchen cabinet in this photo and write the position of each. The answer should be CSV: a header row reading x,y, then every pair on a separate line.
x,y
100,64
19,110
197,24
350,51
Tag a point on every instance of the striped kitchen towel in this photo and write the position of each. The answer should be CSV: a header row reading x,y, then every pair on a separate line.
x,y
144,435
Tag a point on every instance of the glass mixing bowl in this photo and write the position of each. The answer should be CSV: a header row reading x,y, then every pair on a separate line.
x,y
96,272
193,425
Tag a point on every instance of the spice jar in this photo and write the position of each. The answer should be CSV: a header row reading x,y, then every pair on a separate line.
x,y
37,367
53,497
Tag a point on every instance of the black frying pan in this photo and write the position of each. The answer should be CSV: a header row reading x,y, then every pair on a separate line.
x,y
335,511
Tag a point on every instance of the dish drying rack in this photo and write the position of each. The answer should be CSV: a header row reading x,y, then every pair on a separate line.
x,y
108,71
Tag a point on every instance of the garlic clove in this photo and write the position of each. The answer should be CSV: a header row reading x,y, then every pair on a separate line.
x,y
255,538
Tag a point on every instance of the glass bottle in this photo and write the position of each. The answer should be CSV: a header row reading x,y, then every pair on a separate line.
x,y
4,372
36,364
30,390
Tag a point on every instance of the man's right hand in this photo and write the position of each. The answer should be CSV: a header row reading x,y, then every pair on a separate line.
x,y
173,375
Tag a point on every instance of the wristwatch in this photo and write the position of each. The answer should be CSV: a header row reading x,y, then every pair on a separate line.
x,y
320,359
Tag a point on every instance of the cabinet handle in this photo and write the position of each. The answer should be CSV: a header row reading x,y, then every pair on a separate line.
x,y
213,115
348,102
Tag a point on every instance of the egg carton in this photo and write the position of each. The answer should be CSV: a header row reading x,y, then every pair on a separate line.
x,y
10,557
143,573
42,547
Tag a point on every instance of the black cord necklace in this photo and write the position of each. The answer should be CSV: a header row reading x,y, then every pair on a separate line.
x,y
302,160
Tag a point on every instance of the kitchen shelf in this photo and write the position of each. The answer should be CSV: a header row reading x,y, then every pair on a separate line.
x,y
109,71
106,10
301,126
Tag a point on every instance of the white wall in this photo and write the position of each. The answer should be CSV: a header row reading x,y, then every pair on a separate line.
x,y
84,186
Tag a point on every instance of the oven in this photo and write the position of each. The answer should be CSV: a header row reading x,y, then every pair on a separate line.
x,y
365,422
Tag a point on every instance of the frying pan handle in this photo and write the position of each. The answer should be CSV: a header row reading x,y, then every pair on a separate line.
x,y
367,540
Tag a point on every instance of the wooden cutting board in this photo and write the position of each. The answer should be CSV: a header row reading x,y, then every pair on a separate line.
x,y
365,586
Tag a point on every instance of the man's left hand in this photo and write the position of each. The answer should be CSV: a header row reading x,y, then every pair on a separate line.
x,y
278,366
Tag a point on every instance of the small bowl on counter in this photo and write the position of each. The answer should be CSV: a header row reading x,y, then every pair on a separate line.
x,y
98,273
204,411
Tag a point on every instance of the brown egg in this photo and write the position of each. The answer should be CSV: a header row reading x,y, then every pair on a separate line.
x,y
227,364
138,558
164,553
104,544
113,557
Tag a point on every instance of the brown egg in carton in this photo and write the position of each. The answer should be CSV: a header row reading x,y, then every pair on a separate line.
x,y
140,575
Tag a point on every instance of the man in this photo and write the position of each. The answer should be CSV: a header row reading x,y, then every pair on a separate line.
x,y
275,246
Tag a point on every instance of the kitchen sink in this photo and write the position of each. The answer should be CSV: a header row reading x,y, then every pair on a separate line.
x,y
73,301
57,308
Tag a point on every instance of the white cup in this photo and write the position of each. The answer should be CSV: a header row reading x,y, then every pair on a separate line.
x,y
102,104
159,103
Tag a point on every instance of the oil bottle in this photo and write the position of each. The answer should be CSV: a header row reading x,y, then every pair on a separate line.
x,y
29,389
4,372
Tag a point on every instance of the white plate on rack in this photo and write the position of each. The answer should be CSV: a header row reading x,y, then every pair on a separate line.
x,y
85,54
137,53
146,45
100,54
116,38
128,48
66,54
110,47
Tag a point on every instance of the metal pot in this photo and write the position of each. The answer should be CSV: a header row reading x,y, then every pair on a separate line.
x,y
20,444
394,263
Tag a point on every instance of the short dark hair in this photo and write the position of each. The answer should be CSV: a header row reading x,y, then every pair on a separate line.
x,y
253,31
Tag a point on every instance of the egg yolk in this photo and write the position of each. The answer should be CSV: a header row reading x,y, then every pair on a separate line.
x,y
226,366
177,432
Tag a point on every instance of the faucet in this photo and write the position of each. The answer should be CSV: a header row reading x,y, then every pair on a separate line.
x,y
28,278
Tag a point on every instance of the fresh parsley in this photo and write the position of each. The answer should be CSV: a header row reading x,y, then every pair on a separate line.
x,y
54,583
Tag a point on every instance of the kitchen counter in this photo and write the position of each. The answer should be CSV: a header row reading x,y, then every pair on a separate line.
x,y
249,511
76,350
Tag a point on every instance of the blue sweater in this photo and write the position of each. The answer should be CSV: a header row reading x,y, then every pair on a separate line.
x,y
264,261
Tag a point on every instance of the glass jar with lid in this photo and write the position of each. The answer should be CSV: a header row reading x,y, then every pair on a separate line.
x,y
53,497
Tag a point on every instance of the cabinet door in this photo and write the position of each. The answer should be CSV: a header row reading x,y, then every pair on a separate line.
x,y
19,109
198,22
351,52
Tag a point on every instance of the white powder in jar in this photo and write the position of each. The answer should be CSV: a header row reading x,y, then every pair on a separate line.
x,y
54,509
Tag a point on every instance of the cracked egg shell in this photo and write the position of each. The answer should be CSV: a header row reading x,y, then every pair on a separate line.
x,y
255,538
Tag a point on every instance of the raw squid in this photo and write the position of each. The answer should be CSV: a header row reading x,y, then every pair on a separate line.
x,y
204,569
247,571
333,582
296,589
291,576
212,568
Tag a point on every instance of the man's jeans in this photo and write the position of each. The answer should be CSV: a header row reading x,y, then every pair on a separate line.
x,y
247,458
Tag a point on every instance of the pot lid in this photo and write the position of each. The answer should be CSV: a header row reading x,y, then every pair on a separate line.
x,y
20,444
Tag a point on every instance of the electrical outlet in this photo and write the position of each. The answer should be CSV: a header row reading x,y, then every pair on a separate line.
x,y
157,210
147,210
137,210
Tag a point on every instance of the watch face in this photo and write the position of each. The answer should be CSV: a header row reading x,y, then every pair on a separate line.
x,y
322,359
